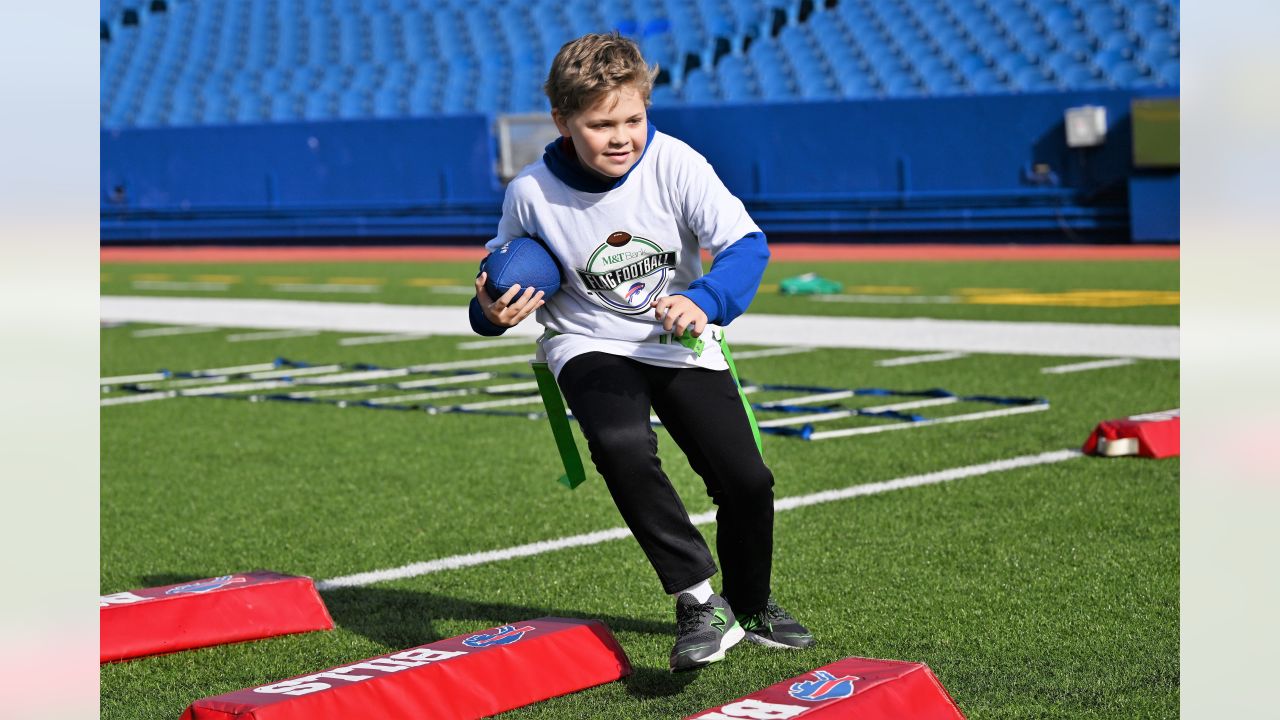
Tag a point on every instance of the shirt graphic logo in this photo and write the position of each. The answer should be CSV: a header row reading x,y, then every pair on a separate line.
x,y
625,273
204,586
825,687
504,635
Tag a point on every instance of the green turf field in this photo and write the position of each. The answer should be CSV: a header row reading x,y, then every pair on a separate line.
x,y
1141,292
1047,591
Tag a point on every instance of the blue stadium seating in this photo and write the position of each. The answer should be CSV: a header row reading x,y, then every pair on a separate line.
x,y
281,60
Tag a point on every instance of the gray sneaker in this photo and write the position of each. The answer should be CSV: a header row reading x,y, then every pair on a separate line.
x,y
774,627
704,632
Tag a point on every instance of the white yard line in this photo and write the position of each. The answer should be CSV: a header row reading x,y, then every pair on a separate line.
x,y
306,394
505,402
240,387
484,344
130,399
179,285
380,339
917,359
910,334
457,562
176,330
433,382
393,399
271,335
143,377
232,370
1082,367
1021,409
295,372
513,387
325,288
809,399
836,415
183,383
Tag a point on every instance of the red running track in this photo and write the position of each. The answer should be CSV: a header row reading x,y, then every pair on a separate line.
x,y
814,252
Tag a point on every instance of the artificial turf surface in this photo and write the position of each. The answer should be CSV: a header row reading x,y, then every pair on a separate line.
x,y
1133,292
1049,591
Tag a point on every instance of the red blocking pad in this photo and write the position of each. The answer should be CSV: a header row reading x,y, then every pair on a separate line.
x,y
225,609
851,688
468,676
1145,436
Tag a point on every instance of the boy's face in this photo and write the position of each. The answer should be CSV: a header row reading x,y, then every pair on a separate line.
x,y
610,135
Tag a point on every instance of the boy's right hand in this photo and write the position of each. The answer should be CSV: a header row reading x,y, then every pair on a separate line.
x,y
512,307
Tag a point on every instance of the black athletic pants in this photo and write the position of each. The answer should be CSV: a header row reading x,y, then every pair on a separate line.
x,y
610,396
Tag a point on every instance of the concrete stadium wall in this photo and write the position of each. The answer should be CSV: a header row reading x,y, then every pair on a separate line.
x,y
936,168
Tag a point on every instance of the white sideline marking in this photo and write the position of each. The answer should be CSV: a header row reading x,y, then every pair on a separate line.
x,y
771,352
179,285
176,330
483,344
917,359
325,288
1094,365
905,334
271,335
836,415
457,562
379,339
827,434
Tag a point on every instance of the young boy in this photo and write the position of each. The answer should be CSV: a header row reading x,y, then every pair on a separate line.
x,y
636,324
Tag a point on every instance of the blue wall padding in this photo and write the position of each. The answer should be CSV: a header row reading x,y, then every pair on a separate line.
x,y
910,146
376,164
1154,205
908,165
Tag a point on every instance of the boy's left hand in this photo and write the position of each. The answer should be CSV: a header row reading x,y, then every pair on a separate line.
x,y
679,313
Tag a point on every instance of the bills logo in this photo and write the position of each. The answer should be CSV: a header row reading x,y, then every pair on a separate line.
x,y
204,586
631,292
825,687
504,635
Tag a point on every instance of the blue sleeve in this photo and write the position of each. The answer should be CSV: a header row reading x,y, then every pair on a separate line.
x,y
479,323
731,284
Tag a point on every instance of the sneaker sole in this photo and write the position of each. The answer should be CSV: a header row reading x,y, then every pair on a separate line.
x,y
761,640
732,637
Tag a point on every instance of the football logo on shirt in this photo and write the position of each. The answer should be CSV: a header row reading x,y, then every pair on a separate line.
x,y
627,272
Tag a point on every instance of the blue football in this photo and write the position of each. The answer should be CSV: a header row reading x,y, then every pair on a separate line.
x,y
525,262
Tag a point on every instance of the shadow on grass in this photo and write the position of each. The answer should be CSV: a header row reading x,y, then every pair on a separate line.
x,y
403,618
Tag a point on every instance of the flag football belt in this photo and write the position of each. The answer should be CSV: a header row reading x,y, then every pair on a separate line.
x,y
575,473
